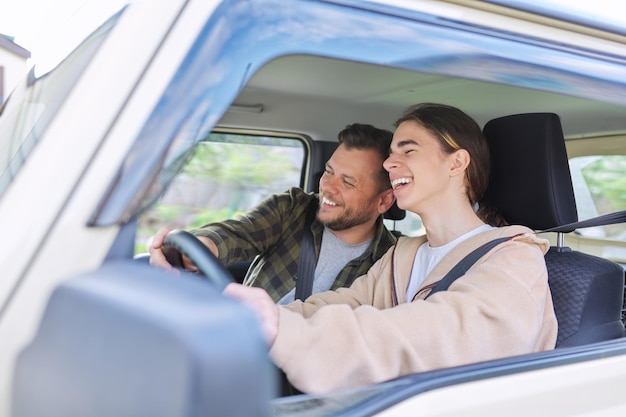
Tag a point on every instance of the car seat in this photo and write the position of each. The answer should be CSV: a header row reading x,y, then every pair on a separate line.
x,y
531,185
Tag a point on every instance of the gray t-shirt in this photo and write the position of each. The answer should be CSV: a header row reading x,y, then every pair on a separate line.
x,y
334,255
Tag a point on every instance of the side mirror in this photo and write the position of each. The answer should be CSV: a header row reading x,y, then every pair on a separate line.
x,y
130,340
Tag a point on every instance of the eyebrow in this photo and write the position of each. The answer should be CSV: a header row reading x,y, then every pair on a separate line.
x,y
344,176
405,142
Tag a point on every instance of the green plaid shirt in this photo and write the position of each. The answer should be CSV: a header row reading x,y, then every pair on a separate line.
x,y
272,232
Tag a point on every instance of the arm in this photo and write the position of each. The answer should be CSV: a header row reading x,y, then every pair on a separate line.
x,y
501,307
259,229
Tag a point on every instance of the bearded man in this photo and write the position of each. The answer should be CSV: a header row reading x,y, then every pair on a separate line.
x,y
345,220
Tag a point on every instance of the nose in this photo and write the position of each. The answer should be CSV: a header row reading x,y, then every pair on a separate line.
x,y
390,163
327,184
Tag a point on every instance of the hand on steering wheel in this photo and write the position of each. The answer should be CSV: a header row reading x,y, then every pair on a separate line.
x,y
188,245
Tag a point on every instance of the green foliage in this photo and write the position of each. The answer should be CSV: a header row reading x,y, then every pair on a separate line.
x,y
242,164
177,217
235,163
606,179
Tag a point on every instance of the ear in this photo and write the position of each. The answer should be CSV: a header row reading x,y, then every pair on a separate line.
x,y
385,200
460,160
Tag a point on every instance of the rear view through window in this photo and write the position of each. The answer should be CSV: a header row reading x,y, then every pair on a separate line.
x,y
227,174
600,188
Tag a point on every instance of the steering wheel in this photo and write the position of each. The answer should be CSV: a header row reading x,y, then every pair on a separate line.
x,y
187,244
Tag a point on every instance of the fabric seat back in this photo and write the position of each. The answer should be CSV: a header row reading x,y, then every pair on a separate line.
x,y
531,185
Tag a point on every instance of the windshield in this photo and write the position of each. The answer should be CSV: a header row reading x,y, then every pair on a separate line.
x,y
33,104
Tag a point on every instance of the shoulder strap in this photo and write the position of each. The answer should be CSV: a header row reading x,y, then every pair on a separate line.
x,y
306,258
465,264
604,220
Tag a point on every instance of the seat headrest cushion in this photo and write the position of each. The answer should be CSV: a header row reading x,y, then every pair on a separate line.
x,y
530,180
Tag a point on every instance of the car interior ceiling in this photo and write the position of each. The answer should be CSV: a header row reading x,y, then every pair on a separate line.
x,y
318,96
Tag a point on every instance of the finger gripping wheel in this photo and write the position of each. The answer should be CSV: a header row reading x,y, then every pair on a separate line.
x,y
188,245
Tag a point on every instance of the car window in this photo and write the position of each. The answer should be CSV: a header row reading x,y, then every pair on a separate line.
x,y
32,105
600,188
227,174
411,225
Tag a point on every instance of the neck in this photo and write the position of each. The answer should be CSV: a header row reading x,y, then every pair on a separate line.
x,y
356,234
442,228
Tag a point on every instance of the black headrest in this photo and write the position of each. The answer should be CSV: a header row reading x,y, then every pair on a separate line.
x,y
395,212
530,180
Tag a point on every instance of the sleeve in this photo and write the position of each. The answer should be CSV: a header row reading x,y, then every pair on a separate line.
x,y
495,310
259,229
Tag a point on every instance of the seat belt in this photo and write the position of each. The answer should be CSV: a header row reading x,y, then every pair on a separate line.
x,y
604,220
466,263
306,258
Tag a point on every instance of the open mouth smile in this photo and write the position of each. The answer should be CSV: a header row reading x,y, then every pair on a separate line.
x,y
400,182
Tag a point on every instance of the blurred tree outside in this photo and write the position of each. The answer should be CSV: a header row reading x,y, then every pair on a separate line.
x,y
226,175
605,177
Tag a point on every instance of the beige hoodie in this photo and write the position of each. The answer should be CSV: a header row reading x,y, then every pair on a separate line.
x,y
368,333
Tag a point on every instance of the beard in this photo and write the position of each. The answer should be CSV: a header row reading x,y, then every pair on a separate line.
x,y
348,218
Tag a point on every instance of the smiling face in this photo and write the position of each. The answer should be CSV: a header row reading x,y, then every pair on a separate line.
x,y
350,193
419,170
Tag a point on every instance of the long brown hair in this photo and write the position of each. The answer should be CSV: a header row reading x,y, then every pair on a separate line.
x,y
455,130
